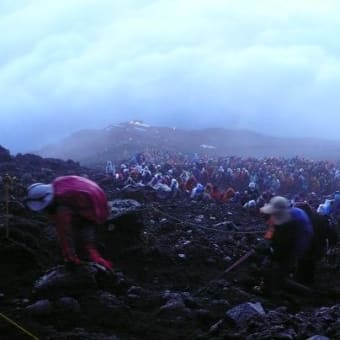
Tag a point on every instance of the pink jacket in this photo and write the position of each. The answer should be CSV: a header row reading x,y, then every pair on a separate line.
x,y
82,196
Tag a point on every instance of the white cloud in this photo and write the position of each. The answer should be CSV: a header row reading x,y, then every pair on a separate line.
x,y
264,65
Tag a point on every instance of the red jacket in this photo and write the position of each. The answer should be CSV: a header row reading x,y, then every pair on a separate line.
x,y
191,183
82,196
228,195
215,194
77,200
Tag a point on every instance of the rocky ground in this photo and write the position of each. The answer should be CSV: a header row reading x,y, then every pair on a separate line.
x,y
168,282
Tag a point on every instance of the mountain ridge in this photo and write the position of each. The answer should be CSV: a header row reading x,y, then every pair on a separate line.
x,y
120,141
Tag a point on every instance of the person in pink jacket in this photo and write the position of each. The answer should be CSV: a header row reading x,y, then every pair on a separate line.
x,y
76,205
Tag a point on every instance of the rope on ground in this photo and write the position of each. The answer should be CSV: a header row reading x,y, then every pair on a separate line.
x,y
12,322
205,228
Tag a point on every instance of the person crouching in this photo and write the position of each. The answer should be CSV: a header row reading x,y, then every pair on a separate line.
x,y
291,242
77,206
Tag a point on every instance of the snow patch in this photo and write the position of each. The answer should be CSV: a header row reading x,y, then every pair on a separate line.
x,y
138,123
205,146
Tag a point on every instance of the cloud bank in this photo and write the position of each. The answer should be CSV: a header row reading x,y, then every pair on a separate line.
x,y
268,66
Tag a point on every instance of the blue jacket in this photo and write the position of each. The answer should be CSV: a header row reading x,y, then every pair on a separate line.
x,y
294,239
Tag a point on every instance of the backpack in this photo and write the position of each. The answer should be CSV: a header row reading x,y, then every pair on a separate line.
x,y
325,234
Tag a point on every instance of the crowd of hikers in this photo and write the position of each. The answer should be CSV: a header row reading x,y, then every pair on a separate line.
x,y
250,182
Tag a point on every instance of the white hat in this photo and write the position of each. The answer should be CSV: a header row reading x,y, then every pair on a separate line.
x,y
279,208
39,196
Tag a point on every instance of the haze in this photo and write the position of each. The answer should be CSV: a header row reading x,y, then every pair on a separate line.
x,y
264,65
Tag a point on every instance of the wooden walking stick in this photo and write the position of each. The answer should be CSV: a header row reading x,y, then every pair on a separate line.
x,y
240,261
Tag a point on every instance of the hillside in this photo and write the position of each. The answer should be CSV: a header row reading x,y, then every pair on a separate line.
x,y
169,279
117,142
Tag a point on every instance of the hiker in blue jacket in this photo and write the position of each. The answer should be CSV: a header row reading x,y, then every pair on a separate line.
x,y
292,244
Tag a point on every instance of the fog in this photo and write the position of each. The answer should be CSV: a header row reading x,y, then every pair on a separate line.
x,y
268,66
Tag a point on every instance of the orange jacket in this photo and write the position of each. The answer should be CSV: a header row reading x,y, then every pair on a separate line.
x,y
269,234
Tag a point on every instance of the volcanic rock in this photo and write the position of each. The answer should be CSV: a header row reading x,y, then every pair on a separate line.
x,y
39,309
241,314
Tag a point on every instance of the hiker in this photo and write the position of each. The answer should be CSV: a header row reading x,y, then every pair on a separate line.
x,y
325,229
110,169
253,193
197,192
291,243
77,206
228,195
190,184
174,186
212,192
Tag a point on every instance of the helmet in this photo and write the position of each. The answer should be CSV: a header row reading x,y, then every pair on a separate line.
x,y
39,196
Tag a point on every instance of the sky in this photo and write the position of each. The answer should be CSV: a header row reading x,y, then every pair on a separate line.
x,y
271,66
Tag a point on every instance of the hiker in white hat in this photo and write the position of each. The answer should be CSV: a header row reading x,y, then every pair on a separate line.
x,y
292,243
77,206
